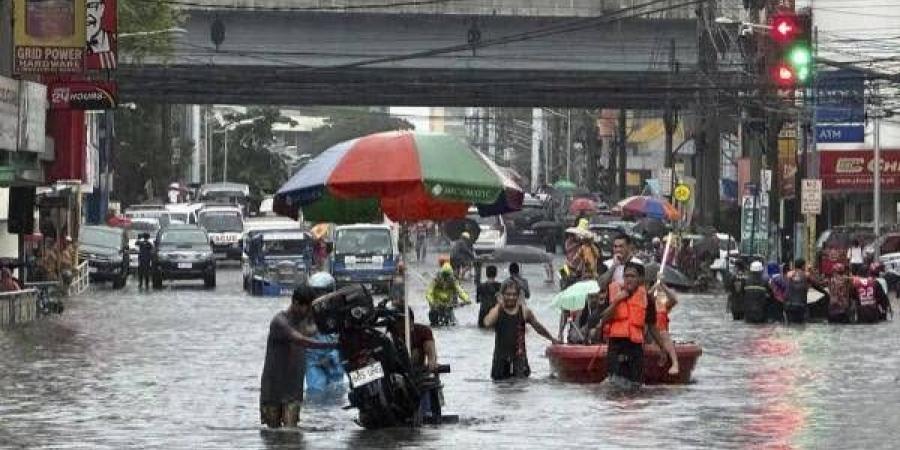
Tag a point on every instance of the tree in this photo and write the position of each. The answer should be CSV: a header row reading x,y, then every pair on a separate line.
x,y
147,15
250,156
344,124
147,156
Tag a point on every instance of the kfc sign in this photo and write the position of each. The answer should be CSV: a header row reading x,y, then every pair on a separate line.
x,y
853,170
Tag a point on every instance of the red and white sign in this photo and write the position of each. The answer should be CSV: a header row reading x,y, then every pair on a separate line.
x,y
852,170
89,95
101,33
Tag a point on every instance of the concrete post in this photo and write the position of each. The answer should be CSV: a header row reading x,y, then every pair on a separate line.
x,y
537,129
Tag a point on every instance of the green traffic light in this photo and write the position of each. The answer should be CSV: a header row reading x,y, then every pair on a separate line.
x,y
803,74
800,56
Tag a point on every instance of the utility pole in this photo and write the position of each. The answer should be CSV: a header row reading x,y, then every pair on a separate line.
x,y
6,38
670,118
623,152
569,144
709,148
537,129
876,189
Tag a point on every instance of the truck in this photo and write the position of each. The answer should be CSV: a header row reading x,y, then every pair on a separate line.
x,y
365,254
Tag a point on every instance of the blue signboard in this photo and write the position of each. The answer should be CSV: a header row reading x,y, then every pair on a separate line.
x,y
840,97
833,134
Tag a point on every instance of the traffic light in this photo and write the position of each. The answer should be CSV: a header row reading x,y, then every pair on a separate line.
x,y
792,61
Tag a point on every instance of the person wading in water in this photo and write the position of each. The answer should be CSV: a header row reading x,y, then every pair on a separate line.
x,y
281,390
509,318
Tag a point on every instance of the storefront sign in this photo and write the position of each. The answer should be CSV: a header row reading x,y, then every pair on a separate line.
x,y
787,166
839,134
49,36
840,96
23,110
9,113
852,170
83,95
101,23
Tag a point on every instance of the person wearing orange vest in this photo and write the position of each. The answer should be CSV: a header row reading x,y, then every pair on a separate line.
x,y
630,315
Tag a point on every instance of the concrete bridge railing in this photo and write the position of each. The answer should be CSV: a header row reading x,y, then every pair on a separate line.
x,y
522,8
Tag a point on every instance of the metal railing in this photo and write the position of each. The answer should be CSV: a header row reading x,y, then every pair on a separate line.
x,y
81,280
18,307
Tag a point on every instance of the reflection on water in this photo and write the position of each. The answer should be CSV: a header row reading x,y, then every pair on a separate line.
x,y
180,369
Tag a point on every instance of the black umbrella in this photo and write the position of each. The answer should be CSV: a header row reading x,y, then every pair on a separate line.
x,y
523,254
672,277
453,229
546,225
650,227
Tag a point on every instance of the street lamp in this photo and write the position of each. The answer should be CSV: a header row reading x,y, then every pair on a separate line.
x,y
230,127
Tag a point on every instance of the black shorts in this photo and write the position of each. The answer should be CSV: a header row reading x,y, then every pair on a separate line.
x,y
625,359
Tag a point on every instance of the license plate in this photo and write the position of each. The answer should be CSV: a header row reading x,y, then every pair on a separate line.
x,y
185,265
366,375
529,232
92,269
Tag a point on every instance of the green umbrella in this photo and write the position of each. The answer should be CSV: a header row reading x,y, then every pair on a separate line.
x,y
564,185
574,297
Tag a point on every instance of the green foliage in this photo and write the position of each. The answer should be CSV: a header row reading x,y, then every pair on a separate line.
x,y
250,159
344,124
147,154
147,15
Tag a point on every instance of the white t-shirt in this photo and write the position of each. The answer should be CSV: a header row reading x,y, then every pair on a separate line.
x,y
619,274
855,255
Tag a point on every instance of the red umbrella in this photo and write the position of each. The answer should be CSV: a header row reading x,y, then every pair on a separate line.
x,y
580,205
644,206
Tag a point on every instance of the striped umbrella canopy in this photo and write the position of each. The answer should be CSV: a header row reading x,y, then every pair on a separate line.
x,y
646,206
404,175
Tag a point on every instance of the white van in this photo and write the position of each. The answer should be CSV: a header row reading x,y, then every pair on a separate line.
x,y
225,226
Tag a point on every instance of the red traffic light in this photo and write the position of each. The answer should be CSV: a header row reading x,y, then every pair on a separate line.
x,y
785,27
784,75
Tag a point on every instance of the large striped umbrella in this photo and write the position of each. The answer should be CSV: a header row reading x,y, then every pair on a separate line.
x,y
404,175
646,206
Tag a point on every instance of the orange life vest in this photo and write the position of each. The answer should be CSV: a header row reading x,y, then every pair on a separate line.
x,y
629,317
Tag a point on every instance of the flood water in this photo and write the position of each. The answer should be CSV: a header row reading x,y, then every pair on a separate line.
x,y
179,368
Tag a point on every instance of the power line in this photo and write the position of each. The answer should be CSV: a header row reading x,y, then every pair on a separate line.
x,y
412,3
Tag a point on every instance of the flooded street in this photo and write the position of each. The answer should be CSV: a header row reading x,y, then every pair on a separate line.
x,y
179,368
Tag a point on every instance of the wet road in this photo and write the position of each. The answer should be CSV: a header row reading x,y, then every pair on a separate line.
x,y
179,368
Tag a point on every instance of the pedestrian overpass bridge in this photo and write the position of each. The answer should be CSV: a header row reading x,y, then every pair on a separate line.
x,y
448,55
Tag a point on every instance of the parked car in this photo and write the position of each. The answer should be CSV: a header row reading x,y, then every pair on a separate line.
x,y
518,224
184,213
183,252
493,232
106,251
138,227
224,224
366,254
278,259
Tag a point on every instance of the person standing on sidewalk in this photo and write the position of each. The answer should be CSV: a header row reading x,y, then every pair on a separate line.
x,y
855,256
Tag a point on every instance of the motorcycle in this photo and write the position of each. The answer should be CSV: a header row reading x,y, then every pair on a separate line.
x,y
48,297
384,386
